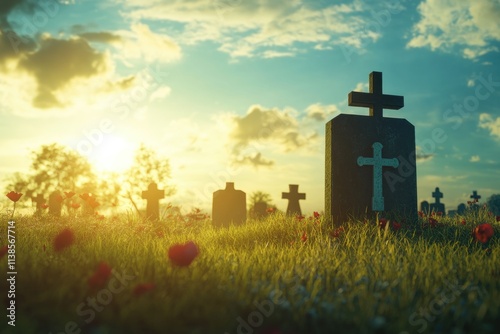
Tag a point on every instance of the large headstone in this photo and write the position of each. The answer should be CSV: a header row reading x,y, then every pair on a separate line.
x,y
153,196
229,206
55,204
293,197
40,201
437,206
370,160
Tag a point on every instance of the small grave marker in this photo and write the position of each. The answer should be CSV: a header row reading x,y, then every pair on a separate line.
x,y
354,143
260,209
153,196
229,206
39,200
55,204
425,207
461,209
293,197
475,196
437,206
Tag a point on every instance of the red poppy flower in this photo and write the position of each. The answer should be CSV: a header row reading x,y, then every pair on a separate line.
x,y
463,222
85,196
44,206
299,217
3,251
69,194
270,210
336,233
382,222
304,237
483,232
100,276
183,255
421,214
75,205
64,239
92,202
432,222
142,288
13,196
396,226
316,214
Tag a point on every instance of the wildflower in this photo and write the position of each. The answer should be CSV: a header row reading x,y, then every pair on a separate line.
x,y
64,239
421,214
382,222
483,232
13,196
92,202
304,237
432,222
69,194
142,288
463,222
299,217
100,276
44,206
183,255
270,210
336,233
3,251
396,226
85,196
75,205
316,214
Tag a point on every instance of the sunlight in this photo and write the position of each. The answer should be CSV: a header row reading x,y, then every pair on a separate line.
x,y
115,154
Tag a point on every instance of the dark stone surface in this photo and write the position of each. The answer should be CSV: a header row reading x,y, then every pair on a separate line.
x,y
260,210
425,207
461,209
293,197
229,206
153,196
39,200
55,204
437,206
349,187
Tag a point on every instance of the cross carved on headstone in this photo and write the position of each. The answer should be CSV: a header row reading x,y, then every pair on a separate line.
x,y
377,162
375,99
475,196
153,196
293,197
437,195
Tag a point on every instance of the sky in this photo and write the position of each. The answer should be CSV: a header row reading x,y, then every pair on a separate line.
x,y
240,91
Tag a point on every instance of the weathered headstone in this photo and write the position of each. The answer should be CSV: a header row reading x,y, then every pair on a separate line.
x,y
370,160
293,197
153,196
229,206
475,196
55,204
425,207
40,201
461,209
437,206
260,210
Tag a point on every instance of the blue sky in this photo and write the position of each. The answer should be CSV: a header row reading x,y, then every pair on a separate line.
x,y
198,81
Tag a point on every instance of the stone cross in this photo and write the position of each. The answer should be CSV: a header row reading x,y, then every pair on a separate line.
x,y
39,200
377,162
437,206
475,196
352,191
153,196
437,195
375,99
293,197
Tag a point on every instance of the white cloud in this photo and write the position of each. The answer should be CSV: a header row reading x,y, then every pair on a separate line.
x,y
475,158
488,122
448,25
320,112
361,87
261,28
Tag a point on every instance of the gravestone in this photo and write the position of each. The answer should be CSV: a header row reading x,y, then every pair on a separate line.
x,y
461,209
153,196
370,162
229,206
452,213
425,207
437,206
293,197
260,210
39,200
475,196
55,204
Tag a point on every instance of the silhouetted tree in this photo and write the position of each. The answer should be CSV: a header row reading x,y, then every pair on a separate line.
x,y
494,204
260,196
147,167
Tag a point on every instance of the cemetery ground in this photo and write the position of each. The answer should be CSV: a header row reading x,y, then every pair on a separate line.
x,y
277,275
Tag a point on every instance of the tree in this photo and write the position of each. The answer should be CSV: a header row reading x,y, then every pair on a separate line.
x,y
260,196
147,167
494,204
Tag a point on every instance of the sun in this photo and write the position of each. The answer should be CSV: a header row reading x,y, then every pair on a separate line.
x,y
113,154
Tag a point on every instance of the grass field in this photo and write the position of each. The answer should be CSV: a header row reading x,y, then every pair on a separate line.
x,y
280,275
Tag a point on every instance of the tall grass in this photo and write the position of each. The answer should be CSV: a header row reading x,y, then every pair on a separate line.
x,y
282,273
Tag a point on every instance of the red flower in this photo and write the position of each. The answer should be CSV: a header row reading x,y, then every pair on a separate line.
x,y
439,213
75,205
421,214
270,210
85,196
396,226
69,194
299,217
483,232
183,255
64,239
13,196
463,222
3,251
142,288
382,222
92,202
44,206
316,214
100,276
336,233
304,237
432,222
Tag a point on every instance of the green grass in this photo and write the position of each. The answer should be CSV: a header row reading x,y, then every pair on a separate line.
x,y
368,280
